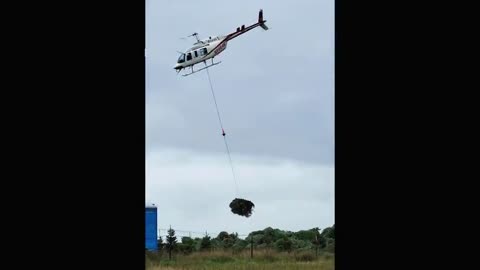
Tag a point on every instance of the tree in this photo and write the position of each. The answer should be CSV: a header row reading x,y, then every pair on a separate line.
x,y
234,236
268,237
329,232
228,242
328,235
284,244
171,242
332,232
160,244
197,243
318,241
188,245
222,235
306,235
239,245
206,242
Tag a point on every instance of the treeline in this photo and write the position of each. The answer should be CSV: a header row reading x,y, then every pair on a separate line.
x,y
269,238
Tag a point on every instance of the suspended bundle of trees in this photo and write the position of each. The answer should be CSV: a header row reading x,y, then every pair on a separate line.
x,y
242,207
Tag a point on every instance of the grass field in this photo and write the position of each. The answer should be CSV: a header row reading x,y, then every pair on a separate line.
x,y
262,260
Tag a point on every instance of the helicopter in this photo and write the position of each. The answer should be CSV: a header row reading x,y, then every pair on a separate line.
x,y
205,49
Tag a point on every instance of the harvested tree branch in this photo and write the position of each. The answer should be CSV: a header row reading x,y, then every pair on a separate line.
x,y
242,207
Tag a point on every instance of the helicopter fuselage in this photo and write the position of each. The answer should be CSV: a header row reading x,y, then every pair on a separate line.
x,y
201,51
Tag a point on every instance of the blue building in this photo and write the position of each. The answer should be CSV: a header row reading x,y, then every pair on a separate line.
x,y
151,227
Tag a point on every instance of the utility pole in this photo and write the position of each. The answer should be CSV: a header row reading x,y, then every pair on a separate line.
x,y
251,247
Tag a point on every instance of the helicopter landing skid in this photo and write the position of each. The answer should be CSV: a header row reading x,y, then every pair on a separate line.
x,y
213,64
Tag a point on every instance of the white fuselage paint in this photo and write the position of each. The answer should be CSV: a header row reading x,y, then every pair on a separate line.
x,y
198,53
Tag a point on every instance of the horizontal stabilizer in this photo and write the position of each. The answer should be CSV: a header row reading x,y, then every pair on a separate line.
x,y
261,21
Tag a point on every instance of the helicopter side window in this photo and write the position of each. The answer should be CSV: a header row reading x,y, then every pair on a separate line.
x,y
181,59
189,56
196,54
204,51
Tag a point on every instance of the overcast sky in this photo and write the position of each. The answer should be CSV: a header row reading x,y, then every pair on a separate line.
x,y
275,92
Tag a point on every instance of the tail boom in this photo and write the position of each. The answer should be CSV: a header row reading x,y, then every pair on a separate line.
x,y
240,31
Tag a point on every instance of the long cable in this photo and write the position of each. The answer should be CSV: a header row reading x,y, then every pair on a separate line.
x,y
223,133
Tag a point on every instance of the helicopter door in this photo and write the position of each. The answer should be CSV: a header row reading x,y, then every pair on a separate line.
x,y
189,56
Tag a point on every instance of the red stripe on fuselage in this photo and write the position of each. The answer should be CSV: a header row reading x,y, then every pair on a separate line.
x,y
233,35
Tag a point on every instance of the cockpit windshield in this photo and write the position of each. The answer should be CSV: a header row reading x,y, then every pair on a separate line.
x,y
181,59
